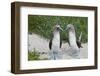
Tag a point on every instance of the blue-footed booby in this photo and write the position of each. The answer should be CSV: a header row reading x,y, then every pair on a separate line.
x,y
73,42
55,43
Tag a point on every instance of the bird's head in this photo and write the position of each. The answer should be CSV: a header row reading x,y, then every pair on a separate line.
x,y
70,27
58,28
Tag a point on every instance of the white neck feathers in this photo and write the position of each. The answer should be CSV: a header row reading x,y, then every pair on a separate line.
x,y
72,38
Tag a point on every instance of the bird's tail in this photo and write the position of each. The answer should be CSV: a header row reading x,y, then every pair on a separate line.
x,y
80,37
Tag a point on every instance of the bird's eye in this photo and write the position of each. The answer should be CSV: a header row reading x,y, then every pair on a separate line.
x,y
57,28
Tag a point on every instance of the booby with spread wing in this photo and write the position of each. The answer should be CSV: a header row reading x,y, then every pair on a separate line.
x,y
55,43
75,44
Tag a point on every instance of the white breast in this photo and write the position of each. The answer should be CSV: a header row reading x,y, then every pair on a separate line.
x,y
56,41
72,39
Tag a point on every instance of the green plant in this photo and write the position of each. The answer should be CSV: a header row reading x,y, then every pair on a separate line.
x,y
33,55
42,25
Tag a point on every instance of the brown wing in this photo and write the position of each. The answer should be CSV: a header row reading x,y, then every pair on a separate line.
x,y
60,41
79,41
79,44
50,44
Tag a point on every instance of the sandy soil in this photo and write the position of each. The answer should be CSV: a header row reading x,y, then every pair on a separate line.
x,y
42,47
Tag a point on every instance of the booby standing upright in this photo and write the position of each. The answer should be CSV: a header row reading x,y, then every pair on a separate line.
x,y
74,44
55,43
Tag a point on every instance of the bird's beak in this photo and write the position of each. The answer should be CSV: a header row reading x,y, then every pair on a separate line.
x,y
66,29
61,29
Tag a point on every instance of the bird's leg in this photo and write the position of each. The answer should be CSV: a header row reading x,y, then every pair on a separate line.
x,y
54,55
78,54
57,55
51,55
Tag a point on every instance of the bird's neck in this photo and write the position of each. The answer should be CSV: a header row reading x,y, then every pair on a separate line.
x,y
72,39
56,35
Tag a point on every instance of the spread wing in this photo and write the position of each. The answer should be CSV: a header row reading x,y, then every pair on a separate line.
x,y
79,44
80,37
79,41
